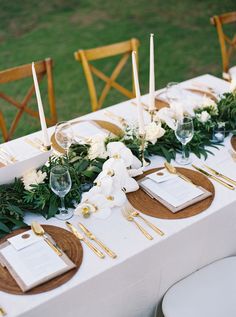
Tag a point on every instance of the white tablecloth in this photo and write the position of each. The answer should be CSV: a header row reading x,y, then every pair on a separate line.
x,y
132,284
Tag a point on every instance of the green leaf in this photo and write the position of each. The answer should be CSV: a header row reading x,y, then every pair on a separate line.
x,y
4,228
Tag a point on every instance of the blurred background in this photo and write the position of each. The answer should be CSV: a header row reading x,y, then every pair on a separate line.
x,y
186,45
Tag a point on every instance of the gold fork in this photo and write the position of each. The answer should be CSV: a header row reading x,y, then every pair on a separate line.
x,y
130,218
134,213
2,312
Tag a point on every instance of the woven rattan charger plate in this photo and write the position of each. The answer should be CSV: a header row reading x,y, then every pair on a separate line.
x,y
106,125
233,142
145,204
66,241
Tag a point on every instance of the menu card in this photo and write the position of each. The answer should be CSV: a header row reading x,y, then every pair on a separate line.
x,y
31,261
172,191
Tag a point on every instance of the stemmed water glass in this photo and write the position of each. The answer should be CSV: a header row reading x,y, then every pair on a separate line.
x,y
184,133
64,135
60,183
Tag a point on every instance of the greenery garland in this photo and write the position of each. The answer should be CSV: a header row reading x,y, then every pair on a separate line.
x,y
15,200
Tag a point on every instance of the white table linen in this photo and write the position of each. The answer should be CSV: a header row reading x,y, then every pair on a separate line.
x,y
135,282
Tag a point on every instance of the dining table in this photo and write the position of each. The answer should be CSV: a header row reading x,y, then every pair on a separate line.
x,y
133,284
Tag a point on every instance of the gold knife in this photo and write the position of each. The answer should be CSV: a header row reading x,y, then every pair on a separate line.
x,y
221,175
102,245
80,237
214,177
2,312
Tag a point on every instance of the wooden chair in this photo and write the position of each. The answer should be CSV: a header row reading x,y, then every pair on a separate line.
x,y
43,69
85,56
224,40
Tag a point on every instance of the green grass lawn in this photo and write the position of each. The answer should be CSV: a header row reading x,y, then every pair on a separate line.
x,y
186,44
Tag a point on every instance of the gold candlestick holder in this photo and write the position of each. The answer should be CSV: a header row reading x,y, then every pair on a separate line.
x,y
152,113
47,148
142,150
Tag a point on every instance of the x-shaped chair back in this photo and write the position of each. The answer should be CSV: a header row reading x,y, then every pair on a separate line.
x,y
227,44
85,56
43,68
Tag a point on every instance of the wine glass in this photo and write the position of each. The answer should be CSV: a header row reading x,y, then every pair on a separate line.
x,y
184,133
60,183
174,92
64,134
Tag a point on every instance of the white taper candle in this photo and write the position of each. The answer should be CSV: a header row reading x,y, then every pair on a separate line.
x,y
46,140
151,76
138,96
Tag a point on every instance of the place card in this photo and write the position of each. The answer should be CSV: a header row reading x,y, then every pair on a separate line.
x,y
174,192
24,240
32,262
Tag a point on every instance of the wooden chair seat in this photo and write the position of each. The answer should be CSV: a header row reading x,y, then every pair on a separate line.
x,y
227,44
86,56
43,69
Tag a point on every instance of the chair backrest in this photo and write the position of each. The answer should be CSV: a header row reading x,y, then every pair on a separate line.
x,y
85,56
43,69
227,44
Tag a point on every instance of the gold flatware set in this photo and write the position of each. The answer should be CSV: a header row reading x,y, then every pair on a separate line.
x,y
6,158
218,177
130,214
115,117
92,237
36,143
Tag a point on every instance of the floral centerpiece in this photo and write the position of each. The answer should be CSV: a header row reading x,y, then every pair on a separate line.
x,y
102,169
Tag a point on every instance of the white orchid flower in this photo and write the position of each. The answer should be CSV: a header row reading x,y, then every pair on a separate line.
x,y
121,175
93,203
119,151
166,115
112,192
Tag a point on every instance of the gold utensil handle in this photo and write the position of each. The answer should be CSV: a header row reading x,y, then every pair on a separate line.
x,y
106,249
33,144
228,179
222,182
185,178
2,312
55,249
151,225
147,235
94,249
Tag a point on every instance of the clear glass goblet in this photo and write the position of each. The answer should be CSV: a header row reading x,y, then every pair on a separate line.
x,y
64,134
184,133
60,183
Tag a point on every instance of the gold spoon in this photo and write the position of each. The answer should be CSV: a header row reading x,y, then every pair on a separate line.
x,y
39,231
171,169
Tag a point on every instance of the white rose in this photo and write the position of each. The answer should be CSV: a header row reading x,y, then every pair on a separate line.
x,y
154,131
97,147
203,116
209,103
33,177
